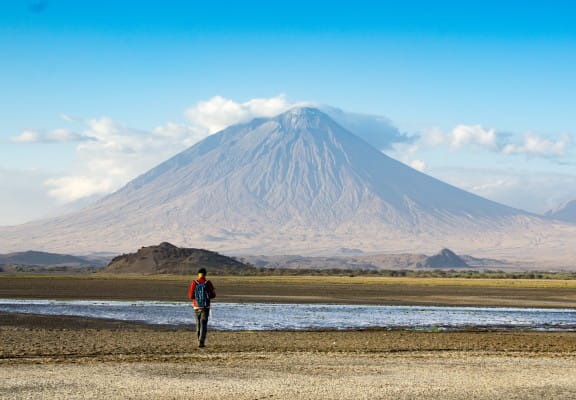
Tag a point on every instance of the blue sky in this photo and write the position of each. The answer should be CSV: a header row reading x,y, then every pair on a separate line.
x,y
107,76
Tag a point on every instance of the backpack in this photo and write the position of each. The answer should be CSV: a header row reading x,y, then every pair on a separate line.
x,y
202,294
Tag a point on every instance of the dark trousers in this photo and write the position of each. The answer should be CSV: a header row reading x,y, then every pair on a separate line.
x,y
201,323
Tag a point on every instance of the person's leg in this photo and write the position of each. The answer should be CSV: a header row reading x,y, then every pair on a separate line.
x,y
203,325
198,315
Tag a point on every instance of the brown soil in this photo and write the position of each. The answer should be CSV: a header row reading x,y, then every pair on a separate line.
x,y
288,292
36,338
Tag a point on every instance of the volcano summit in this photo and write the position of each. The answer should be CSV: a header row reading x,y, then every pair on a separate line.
x,y
295,183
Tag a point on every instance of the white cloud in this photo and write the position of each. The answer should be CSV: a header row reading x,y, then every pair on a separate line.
x,y
489,188
218,113
434,137
179,132
26,137
109,154
64,135
463,137
379,131
531,190
70,188
472,135
103,128
535,145
460,137
67,118
115,155
418,165
54,136
528,190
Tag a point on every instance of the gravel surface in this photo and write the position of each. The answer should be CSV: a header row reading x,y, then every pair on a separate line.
x,y
449,375
78,358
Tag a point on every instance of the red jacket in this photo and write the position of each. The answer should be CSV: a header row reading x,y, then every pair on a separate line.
x,y
193,286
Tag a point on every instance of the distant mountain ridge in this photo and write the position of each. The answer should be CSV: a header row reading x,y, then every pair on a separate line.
x,y
297,183
566,212
47,259
444,259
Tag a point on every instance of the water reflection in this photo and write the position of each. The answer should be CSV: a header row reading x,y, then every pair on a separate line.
x,y
236,316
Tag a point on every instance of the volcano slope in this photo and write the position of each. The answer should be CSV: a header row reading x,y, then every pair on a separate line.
x,y
298,183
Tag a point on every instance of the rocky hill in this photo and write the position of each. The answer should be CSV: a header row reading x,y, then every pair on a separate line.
x,y
169,259
446,258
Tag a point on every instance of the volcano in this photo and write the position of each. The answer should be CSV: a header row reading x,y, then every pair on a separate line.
x,y
566,212
295,183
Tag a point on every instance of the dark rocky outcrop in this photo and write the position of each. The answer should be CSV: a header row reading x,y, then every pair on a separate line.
x,y
169,259
446,258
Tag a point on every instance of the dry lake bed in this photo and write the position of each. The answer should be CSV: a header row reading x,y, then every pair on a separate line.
x,y
75,357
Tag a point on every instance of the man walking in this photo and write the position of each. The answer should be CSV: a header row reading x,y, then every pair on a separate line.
x,y
201,292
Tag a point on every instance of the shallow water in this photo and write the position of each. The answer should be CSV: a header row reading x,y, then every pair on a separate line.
x,y
258,316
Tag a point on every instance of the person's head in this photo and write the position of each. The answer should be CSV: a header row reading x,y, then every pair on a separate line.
x,y
202,273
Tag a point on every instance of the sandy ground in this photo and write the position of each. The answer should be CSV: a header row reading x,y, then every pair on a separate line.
x,y
68,357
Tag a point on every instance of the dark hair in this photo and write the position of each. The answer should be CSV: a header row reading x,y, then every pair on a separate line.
x,y
202,271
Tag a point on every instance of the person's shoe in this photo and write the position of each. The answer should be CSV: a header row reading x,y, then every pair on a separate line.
x,y
201,345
